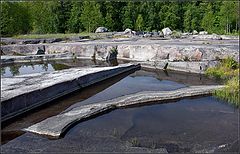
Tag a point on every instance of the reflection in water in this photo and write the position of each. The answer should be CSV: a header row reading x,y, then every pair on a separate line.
x,y
113,62
29,68
14,69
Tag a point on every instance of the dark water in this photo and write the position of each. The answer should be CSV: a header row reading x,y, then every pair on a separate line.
x,y
190,125
11,70
196,125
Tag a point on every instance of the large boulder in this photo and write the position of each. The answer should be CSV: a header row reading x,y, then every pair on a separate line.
x,y
195,32
128,31
101,30
166,31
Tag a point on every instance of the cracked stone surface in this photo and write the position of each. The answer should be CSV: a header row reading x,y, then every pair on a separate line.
x,y
56,125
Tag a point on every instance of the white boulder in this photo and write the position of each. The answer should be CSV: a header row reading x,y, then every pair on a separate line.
x,y
166,31
101,30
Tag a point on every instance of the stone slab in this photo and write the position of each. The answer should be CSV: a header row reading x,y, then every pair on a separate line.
x,y
25,92
57,125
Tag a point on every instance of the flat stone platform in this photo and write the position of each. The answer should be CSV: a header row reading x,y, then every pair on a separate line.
x,y
57,125
25,92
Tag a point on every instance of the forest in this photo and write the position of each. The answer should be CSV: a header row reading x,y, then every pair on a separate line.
x,y
45,17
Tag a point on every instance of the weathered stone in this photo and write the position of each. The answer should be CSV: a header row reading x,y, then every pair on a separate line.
x,y
203,33
175,55
208,37
101,30
197,55
22,93
128,31
166,31
147,35
195,32
184,66
56,125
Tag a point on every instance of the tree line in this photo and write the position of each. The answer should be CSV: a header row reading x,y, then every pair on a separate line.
x,y
41,17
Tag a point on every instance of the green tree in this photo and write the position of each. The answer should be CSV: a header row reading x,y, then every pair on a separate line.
x,y
139,23
62,11
43,18
91,16
109,22
129,15
229,16
208,20
15,18
74,24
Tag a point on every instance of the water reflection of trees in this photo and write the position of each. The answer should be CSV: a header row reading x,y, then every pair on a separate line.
x,y
113,62
45,66
14,69
3,70
57,66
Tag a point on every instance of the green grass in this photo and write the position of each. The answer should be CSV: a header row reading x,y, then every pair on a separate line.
x,y
228,71
59,35
231,92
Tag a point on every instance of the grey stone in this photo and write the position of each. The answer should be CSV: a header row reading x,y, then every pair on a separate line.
x,y
166,31
195,32
203,33
147,35
128,31
101,30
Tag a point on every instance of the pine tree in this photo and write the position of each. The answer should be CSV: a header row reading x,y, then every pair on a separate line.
x,y
91,16
127,17
208,20
74,23
139,23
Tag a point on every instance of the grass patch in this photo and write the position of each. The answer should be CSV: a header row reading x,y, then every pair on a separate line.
x,y
231,92
59,35
228,71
